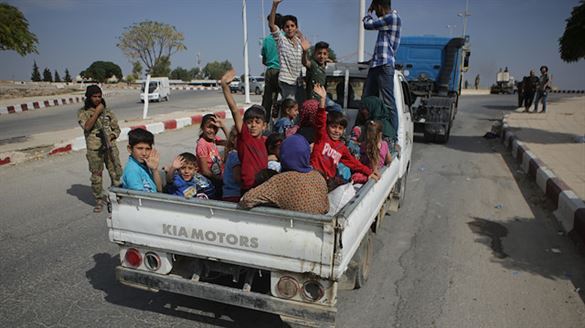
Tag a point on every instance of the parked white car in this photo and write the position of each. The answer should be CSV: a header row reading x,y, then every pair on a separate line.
x,y
256,85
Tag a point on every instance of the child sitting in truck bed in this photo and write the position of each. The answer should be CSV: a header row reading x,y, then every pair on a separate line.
x,y
185,180
250,145
329,150
141,171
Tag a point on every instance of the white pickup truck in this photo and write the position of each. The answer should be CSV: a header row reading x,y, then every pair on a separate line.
x,y
268,259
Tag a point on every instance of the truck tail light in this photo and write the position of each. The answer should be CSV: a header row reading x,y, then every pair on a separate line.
x,y
152,261
313,290
133,257
287,287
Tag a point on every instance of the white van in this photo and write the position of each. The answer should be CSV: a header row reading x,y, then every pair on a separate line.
x,y
158,90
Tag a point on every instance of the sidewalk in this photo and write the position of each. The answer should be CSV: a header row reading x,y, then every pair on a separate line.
x,y
547,145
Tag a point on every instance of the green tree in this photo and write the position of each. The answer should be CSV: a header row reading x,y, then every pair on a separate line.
x,y
182,74
572,45
57,77
67,76
149,41
14,33
100,71
215,69
47,76
162,67
195,73
36,74
136,70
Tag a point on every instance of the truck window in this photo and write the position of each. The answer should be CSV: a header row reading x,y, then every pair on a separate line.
x,y
336,90
151,87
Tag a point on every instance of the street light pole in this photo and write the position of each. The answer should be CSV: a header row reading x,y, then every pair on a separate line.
x,y
361,32
246,69
465,14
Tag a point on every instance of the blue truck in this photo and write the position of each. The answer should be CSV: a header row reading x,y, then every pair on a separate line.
x,y
433,66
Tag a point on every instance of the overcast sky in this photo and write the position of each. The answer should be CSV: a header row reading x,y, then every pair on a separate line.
x,y
520,34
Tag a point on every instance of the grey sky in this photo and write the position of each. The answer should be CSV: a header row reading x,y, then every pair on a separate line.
x,y
521,34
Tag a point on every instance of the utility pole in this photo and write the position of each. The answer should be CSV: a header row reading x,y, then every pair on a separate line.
x,y
465,14
361,32
246,72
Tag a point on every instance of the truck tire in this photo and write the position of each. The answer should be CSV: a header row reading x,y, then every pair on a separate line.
x,y
398,194
366,254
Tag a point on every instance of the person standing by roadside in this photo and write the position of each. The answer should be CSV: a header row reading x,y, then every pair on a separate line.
x,y
290,52
544,86
270,60
101,129
529,85
381,73
476,83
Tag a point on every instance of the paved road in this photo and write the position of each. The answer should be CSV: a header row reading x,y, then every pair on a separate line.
x,y
474,246
125,105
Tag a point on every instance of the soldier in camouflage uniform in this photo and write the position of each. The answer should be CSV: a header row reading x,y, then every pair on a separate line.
x,y
96,120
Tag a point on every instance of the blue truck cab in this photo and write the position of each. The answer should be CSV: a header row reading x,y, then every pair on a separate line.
x,y
433,66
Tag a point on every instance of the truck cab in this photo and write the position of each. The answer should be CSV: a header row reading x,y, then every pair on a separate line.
x,y
433,67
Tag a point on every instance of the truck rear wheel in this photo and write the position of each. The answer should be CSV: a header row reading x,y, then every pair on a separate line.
x,y
366,254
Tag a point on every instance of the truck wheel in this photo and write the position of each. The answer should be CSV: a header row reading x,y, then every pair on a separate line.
x,y
398,194
376,226
366,255
443,138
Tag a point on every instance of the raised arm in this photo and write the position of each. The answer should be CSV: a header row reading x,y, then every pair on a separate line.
x,y
91,121
306,59
226,79
272,22
387,22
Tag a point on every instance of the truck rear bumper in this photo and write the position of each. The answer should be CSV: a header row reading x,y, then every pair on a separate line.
x,y
310,314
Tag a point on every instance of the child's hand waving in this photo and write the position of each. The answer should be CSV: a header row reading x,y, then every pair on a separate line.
x,y
228,76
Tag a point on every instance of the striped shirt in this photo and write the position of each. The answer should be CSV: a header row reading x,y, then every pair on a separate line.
x,y
290,53
388,37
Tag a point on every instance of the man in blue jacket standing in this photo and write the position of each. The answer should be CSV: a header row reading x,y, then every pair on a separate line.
x,y
381,73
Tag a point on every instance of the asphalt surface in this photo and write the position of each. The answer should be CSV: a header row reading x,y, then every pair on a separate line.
x,y
126,106
475,245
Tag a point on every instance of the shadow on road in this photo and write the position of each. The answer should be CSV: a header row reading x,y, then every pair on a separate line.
x,y
535,244
82,192
102,277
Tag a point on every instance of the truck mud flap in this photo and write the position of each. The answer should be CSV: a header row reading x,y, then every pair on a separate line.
x,y
312,315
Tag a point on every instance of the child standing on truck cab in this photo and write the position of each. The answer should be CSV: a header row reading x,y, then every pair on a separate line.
x,y
185,180
141,171
290,52
232,170
208,156
329,150
289,111
250,145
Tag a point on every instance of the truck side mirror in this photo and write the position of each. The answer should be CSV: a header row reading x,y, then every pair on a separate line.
x,y
466,61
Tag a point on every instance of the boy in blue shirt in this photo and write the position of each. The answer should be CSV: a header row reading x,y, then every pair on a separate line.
x,y
141,171
185,180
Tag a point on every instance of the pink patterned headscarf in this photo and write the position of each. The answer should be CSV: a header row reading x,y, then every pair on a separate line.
x,y
309,112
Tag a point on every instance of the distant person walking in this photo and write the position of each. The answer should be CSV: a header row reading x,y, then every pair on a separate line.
x,y
476,82
529,85
270,60
380,78
101,130
544,86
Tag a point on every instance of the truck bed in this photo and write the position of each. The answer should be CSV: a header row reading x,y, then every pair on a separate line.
x,y
263,237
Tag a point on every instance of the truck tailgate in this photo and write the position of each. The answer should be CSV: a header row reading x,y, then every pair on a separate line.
x,y
262,237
